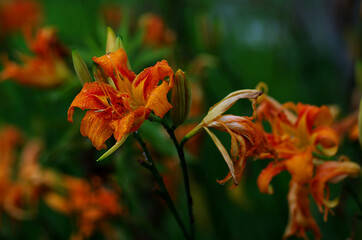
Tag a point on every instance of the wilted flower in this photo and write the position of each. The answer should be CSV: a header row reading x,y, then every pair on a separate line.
x,y
246,139
46,69
122,107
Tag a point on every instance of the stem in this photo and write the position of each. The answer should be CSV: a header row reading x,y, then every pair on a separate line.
x,y
185,174
150,165
181,154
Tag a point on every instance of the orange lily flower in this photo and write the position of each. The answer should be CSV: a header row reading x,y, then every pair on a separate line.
x,y
18,15
46,69
297,131
122,107
300,133
297,127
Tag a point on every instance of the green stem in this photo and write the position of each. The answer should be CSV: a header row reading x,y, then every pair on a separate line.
x,y
150,165
181,154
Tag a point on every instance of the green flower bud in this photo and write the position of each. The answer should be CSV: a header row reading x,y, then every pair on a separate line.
x,y
81,68
111,41
181,98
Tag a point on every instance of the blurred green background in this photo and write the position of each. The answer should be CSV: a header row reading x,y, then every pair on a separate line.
x,y
305,52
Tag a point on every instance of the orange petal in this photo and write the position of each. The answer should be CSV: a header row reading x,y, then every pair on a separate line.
x,y
122,126
315,116
300,166
97,128
327,138
91,97
331,171
57,202
140,115
146,82
157,100
36,72
300,218
114,66
267,175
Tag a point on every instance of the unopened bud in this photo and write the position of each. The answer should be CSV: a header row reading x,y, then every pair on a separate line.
x,y
181,98
111,41
81,68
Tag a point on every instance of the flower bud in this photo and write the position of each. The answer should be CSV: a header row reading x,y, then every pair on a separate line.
x,y
111,41
181,98
81,68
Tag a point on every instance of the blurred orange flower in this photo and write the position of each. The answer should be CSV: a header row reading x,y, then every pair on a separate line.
x,y
18,15
90,204
156,33
9,139
46,69
348,126
20,189
112,14
122,107
24,183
